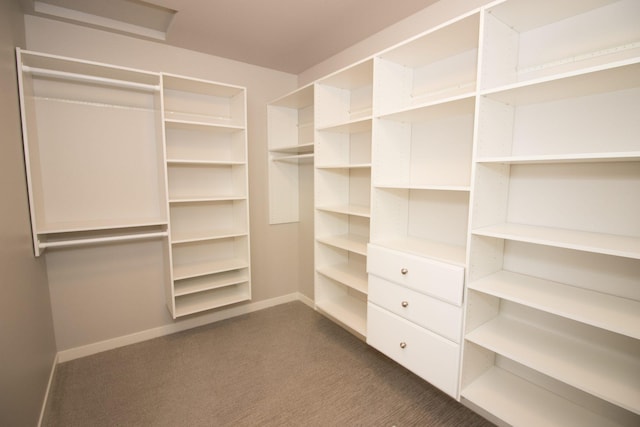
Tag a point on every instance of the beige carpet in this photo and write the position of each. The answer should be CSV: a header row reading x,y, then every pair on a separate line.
x,y
283,366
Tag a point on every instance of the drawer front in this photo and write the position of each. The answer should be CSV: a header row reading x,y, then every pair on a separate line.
x,y
428,355
438,279
438,316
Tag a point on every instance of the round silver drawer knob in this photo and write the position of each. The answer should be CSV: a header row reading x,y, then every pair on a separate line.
x,y
405,303
404,271
403,344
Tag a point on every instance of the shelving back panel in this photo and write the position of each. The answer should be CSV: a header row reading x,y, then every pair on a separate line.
x,y
525,41
211,253
204,143
335,148
425,153
93,145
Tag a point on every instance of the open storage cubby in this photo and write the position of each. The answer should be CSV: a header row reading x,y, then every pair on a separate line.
x,y
93,150
206,146
428,147
526,40
198,101
345,96
438,65
291,145
427,223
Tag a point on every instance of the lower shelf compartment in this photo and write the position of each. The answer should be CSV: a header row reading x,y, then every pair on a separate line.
x,y
213,298
210,281
517,401
342,303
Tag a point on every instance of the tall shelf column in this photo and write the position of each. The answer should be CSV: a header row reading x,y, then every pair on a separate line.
x,y
552,322
206,146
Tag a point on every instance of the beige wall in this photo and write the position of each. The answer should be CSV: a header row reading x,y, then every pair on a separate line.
x,y
27,345
107,292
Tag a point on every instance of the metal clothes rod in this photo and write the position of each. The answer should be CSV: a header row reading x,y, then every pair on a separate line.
x,y
121,238
87,78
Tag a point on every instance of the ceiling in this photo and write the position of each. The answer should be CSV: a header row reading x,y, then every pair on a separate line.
x,y
285,35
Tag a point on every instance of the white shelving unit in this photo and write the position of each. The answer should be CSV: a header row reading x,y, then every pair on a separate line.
x,y
291,145
553,304
424,108
93,151
206,146
343,107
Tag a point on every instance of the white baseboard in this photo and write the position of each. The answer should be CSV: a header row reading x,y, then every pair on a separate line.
x,y
46,393
110,344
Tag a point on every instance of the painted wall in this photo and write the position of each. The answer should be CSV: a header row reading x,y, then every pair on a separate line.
x,y
112,291
27,344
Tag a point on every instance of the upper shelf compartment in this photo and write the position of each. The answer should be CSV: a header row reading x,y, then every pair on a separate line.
x,y
346,96
434,67
196,101
526,40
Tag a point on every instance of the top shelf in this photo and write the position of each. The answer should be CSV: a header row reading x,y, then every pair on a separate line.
x,y
609,78
300,98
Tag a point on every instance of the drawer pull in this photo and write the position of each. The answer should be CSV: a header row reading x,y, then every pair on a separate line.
x,y
403,344
404,271
405,303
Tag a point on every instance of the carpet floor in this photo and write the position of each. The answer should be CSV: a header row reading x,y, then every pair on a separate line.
x,y
282,366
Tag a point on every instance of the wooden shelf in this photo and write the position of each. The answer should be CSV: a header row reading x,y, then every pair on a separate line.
x,y
623,246
214,281
208,300
616,314
181,272
516,401
348,310
587,366
346,274
349,242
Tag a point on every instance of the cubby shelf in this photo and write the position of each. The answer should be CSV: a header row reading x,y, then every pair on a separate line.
x,y
619,315
352,276
187,271
347,310
350,242
517,401
623,246
597,369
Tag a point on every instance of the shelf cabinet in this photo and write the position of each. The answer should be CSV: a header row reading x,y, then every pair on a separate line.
x,y
290,134
206,151
342,194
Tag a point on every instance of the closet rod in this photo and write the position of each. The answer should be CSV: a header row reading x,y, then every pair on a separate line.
x,y
87,78
121,238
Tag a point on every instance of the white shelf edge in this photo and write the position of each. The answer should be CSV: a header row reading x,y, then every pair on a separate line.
x,y
176,200
461,188
207,268
429,105
211,123
204,236
293,149
345,166
215,284
630,156
205,162
361,211
608,244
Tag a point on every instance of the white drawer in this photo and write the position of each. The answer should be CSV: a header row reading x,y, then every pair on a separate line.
x,y
438,316
428,355
438,279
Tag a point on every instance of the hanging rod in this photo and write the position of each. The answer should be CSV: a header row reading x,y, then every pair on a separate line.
x,y
88,78
89,241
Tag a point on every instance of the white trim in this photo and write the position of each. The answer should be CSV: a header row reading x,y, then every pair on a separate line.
x,y
89,349
46,393
306,300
